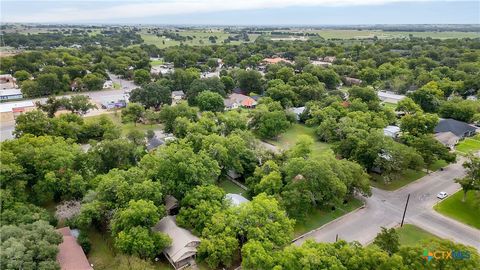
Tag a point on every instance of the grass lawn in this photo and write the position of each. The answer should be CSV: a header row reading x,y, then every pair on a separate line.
x,y
390,105
126,127
465,212
117,85
410,235
156,62
103,256
319,217
437,165
231,187
469,145
404,179
290,137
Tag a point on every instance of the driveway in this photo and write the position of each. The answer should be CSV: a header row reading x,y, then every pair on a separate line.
x,y
385,209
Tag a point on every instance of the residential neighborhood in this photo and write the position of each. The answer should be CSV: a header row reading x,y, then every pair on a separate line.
x,y
227,135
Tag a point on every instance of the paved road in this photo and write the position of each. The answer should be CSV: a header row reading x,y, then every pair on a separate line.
x,y
98,97
385,209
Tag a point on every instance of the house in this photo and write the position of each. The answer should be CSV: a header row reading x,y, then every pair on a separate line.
x,y
297,111
70,254
448,139
9,111
162,69
329,59
7,81
474,98
12,93
153,143
108,84
389,97
177,96
183,250
458,128
275,60
235,101
391,131
171,205
210,74
320,63
349,81
236,199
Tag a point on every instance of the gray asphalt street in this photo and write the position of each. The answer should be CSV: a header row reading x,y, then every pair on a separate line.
x,y
385,209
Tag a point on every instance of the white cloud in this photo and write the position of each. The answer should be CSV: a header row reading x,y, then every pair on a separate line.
x,y
138,9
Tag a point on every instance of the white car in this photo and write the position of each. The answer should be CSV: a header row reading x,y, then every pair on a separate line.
x,y
442,195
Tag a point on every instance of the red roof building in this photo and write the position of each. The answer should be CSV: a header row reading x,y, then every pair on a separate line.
x,y
70,255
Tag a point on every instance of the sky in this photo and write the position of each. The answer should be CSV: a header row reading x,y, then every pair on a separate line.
x,y
241,12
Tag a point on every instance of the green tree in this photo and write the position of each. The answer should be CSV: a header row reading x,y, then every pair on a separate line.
x,y
428,97
388,240
199,205
80,104
168,114
180,169
93,82
210,101
472,180
249,81
152,95
419,123
133,113
34,122
29,246
141,77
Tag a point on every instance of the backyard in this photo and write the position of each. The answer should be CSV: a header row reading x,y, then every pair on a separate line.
x,y
115,116
230,187
320,217
466,212
290,137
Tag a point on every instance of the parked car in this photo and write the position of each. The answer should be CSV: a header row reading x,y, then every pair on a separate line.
x,y
442,195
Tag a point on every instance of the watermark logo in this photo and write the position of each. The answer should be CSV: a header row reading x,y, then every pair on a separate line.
x,y
429,255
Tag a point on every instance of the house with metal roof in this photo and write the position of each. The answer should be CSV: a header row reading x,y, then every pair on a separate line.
x,y
183,250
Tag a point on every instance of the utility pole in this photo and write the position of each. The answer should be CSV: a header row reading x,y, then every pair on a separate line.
x,y
405,210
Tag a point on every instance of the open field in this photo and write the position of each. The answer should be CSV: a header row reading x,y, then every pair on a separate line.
x,y
319,217
362,34
291,136
406,178
469,145
466,212
200,37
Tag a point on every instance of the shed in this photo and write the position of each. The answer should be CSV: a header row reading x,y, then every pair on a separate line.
x,y
171,205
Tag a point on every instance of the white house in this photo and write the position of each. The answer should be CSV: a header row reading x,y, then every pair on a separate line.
x,y
391,131
177,96
389,97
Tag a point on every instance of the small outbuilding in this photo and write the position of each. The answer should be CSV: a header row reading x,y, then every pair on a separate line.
x,y
171,205
183,250
389,97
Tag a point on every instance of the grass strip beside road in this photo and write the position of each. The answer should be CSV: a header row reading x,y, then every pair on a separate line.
x,y
320,217
411,235
466,212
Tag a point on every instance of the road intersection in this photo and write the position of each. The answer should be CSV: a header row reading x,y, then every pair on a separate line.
x,y
385,209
